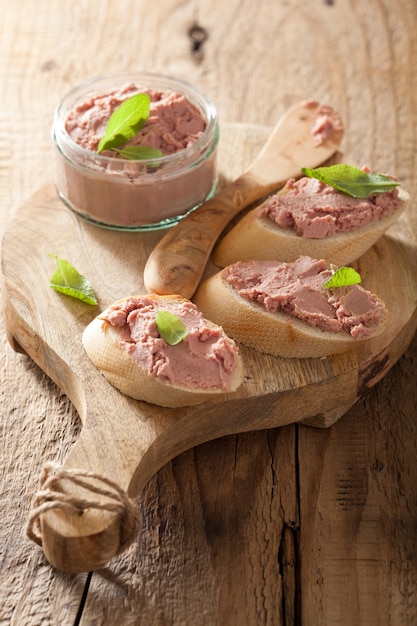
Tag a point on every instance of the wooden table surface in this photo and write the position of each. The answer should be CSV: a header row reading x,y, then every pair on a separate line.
x,y
288,526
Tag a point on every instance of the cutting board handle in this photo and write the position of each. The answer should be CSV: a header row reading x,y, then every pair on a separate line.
x,y
83,513
103,521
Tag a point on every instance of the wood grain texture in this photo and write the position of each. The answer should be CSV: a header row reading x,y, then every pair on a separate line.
x,y
285,526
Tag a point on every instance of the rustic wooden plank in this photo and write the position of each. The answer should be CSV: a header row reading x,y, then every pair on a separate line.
x,y
358,498
45,421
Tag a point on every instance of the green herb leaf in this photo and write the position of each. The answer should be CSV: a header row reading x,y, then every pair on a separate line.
x,y
137,153
125,121
351,180
343,277
67,280
170,327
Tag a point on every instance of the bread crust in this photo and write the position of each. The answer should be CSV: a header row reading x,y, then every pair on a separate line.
x,y
278,334
102,343
260,239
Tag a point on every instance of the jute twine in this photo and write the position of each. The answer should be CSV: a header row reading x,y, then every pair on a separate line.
x,y
48,497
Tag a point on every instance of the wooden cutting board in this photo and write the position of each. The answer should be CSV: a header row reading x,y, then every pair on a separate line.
x,y
128,441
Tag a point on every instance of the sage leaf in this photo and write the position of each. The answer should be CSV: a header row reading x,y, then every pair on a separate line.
x,y
170,327
67,280
352,180
125,121
343,277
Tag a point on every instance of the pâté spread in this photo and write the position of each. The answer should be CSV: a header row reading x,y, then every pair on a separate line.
x,y
174,123
205,359
327,122
297,289
316,210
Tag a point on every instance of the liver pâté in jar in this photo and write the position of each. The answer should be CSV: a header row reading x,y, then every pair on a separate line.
x,y
147,194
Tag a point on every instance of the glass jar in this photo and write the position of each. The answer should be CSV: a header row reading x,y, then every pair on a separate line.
x,y
141,195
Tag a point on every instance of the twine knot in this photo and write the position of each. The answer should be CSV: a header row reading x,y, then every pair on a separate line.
x,y
49,497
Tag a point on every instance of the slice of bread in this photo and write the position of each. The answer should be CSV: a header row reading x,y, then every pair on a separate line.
x,y
259,238
278,333
103,343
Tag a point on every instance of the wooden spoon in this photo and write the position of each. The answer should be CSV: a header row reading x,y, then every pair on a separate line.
x,y
176,264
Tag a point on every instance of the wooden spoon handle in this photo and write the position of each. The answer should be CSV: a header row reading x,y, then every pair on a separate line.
x,y
176,264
